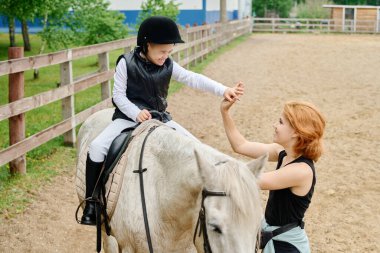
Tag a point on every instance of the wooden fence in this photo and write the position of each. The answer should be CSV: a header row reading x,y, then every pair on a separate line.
x,y
314,25
200,41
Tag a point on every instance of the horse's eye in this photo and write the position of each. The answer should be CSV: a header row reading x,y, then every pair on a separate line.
x,y
216,228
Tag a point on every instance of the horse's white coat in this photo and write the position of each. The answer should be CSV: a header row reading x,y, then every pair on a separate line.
x,y
178,169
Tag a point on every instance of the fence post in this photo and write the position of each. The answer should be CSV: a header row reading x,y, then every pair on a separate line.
x,y
200,47
193,48
68,102
16,123
186,51
104,64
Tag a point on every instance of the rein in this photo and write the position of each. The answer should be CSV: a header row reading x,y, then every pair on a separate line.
x,y
201,223
141,170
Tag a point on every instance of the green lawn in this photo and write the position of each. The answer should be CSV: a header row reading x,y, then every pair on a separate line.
x,y
52,158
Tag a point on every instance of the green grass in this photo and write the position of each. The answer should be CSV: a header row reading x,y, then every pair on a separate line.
x,y
52,158
4,44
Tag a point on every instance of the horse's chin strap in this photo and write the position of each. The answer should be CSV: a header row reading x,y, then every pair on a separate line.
x,y
140,171
201,223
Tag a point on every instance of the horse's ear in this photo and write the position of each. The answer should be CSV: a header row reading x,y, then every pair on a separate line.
x,y
204,167
256,166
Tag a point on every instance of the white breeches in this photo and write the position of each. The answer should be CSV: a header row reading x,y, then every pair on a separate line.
x,y
100,145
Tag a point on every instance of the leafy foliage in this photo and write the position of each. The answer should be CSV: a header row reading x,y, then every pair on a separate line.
x,y
88,22
158,8
314,9
281,7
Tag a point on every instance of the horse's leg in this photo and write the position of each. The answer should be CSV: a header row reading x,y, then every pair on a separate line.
x,y
110,244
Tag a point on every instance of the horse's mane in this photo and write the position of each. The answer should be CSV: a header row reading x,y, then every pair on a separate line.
x,y
242,188
240,183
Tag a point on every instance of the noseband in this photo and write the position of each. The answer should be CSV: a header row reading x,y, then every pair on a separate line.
x,y
201,223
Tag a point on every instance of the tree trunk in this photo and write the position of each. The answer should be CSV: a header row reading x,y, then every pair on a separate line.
x,y
223,11
11,25
25,35
36,72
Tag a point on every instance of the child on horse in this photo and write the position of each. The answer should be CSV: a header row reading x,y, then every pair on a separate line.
x,y
141,85
297,144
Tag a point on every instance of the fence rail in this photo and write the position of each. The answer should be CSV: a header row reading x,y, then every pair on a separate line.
x,y
314,25
201,41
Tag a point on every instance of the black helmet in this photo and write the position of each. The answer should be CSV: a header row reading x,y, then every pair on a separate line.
x,y
158,29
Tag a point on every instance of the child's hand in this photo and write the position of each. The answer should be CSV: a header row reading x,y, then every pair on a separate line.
x,y
143,115
238,90
233,94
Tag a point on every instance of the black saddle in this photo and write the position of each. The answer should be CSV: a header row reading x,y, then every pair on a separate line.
x,y
120,144
117,149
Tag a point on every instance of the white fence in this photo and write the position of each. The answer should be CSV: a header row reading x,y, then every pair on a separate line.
x,y
314,25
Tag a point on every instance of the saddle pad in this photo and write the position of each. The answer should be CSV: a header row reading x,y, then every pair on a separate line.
x,y
115,179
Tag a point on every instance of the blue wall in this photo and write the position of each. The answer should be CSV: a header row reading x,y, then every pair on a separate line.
x,y
213,16
185,17
34,26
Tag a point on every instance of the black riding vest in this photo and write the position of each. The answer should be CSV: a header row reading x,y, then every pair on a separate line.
x,y
148,84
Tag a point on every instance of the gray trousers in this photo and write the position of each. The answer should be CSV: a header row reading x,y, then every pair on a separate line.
x,y
100,145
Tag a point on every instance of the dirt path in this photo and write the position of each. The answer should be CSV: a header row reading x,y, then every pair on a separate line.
x,y
340,74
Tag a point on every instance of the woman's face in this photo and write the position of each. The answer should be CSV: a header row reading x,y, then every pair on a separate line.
x,y
284,133
158,53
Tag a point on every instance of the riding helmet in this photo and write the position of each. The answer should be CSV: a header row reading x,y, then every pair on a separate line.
x,y
159,30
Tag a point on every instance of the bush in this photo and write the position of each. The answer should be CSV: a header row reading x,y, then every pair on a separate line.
x,y
314,9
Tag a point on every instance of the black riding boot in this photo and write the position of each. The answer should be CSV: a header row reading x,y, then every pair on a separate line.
x,y
93,170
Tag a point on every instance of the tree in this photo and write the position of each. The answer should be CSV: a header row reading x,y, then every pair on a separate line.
x,y
313,9
158,8
68,23
8,10
87,22
94,23
23,11
282,8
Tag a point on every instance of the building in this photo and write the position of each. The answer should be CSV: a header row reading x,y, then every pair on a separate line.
x,y
191,12
355,18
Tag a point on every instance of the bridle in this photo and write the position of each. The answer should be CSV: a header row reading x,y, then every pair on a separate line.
x,y
201,223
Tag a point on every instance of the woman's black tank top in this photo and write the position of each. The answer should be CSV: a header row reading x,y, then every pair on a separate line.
x,y
283,206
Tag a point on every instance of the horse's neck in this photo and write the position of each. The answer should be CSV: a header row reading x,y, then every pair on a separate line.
x,y
181,186
180,182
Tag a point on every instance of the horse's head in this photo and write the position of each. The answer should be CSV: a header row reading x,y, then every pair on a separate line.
x,y
232,221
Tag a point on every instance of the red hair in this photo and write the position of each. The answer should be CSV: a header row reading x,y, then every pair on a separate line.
x,y
309,125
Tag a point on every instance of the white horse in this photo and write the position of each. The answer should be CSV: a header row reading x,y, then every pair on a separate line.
x,y
178,168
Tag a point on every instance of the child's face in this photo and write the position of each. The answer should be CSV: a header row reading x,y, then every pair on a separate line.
x,y
158,53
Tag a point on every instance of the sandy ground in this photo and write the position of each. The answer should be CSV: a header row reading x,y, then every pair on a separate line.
x,y
338,73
